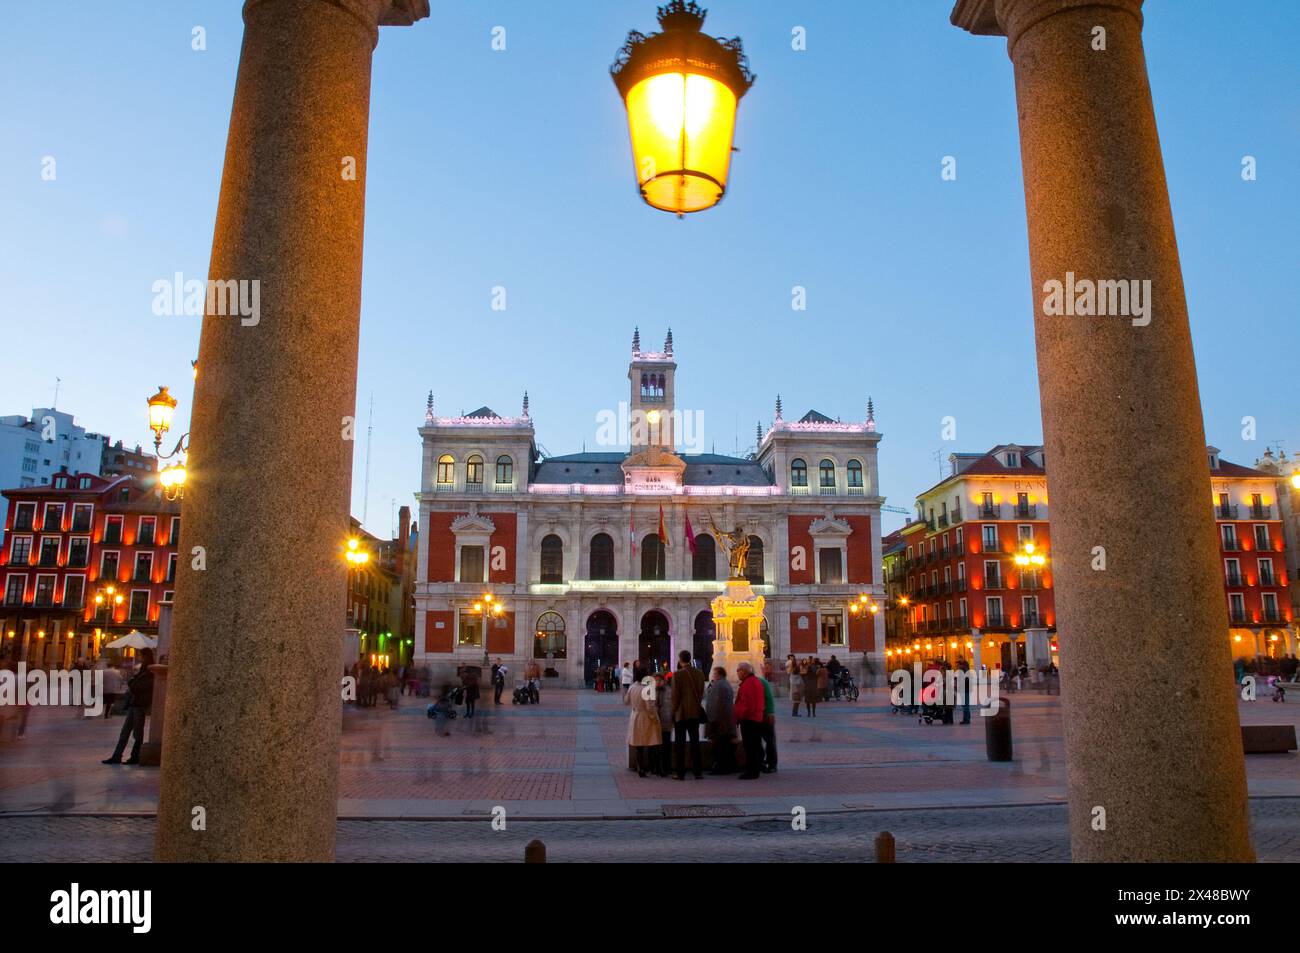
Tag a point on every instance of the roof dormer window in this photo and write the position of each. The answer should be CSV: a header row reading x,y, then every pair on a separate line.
x,y
1013,458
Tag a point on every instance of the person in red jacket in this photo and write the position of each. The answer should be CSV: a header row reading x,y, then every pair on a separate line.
x,y
749,708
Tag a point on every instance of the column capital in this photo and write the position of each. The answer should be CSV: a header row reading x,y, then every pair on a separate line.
x,y
372,14
1011,18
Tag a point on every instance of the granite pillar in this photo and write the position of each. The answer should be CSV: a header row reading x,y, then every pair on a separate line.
x,y
253,698
1125,450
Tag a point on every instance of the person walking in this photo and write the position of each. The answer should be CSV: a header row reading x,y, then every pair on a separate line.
x,y
442,710
625,677
662,761
963,669
643,731
533,679
823,681
810,696
748,712
769,727
113,686
469,681
499,672
719,708
796,684
688,696
140,690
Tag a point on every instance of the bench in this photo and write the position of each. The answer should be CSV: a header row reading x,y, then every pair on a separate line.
x,y
1268,739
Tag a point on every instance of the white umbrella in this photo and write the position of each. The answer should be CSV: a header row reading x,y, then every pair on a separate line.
x,y
135,639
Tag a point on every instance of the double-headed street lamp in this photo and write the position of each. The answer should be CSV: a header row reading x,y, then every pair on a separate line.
x,y
488,607
162,408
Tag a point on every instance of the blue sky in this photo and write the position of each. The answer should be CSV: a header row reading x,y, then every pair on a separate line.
x,y
512,168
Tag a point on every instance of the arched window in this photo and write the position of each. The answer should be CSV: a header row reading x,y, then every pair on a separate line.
x,y
474,469
754,561
446,469
652,558
826,474
549,638
704,564
855,473
798,472
552,559
602,556
505,471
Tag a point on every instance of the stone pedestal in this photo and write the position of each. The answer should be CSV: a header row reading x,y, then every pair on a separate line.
x,y
151,750
1038,651
737,621
253,707
1125,449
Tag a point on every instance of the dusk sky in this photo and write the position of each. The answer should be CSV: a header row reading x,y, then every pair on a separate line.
x,y
513,169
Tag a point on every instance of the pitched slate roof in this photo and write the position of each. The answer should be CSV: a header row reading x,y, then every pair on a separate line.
x,y
702,469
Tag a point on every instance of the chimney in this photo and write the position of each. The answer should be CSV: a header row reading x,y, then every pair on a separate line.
x,y
403,536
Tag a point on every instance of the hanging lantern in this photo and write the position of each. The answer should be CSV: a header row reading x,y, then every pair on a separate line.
x,y
162,407
681,89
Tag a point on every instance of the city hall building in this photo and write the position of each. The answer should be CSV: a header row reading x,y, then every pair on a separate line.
x,y
586,560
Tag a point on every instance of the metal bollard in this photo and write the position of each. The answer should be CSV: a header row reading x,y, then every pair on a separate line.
x,y
997,732
535,852
884,848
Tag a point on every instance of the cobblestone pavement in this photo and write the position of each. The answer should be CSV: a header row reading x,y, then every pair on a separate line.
x,y
996,834
566,759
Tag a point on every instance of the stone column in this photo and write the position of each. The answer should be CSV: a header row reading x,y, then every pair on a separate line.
x,y
1125,449
254,695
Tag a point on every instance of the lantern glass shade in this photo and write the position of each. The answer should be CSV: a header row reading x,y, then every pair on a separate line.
x,y
162,408
681,126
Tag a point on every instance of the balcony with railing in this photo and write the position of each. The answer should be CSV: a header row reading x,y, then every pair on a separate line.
x,y
991,511
1226,511
991,546
995,620
1266,577
943,553
1031,620
474,487
959,586
1271,614
1234,580
1261,511
1237,616
993,581
1027,511
800,489
1231,544
503,487
943,521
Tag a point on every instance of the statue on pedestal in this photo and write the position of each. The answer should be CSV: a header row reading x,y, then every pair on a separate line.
x,y
735,544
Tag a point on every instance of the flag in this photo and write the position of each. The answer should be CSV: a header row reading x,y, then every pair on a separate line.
x,y
690,535
663,533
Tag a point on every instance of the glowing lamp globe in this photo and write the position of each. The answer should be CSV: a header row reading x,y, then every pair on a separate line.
x,y
681,88
162,407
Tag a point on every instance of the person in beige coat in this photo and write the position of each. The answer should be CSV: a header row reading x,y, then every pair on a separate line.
x,y
643,731
796,684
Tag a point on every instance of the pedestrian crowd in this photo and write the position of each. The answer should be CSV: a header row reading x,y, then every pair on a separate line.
x,y
669,711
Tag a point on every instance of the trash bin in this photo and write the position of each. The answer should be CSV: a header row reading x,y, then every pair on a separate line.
x,y
997,731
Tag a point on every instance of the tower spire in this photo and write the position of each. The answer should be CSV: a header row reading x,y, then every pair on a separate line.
x,y
668,343
428,409
525,403
636,341
758,433
778,406
871,415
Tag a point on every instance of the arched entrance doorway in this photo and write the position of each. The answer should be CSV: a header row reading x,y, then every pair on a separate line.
x,y
655,644
702,644
600,646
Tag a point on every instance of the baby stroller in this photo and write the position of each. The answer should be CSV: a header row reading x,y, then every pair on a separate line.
x,y
448,712
522,695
